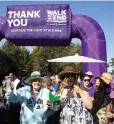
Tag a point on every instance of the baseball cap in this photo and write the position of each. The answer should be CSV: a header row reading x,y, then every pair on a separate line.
x,y
89,73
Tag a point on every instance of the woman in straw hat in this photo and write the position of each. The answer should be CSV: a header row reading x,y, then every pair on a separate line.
x,y
102,99
75,102
33,100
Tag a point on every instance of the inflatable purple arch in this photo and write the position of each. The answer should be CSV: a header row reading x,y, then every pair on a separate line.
x,y
93,42
55,25
2,27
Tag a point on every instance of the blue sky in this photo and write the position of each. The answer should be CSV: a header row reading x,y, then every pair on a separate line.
x,y
102,12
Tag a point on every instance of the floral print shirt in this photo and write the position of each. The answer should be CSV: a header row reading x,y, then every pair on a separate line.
x,y
74,112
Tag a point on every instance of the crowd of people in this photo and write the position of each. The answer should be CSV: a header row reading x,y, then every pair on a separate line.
x,y
67,98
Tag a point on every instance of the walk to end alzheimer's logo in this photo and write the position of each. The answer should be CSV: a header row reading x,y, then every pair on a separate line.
x,y
56,17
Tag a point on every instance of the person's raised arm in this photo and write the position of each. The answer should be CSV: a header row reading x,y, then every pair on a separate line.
x,y
86,98
14,95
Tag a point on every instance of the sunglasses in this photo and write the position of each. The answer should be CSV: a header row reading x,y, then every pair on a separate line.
x,y
86,80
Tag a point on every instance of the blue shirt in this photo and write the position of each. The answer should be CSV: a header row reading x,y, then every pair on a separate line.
x,y
33,111
56,86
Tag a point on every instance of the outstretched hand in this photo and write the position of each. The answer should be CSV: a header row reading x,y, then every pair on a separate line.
x,y
85,97
50,104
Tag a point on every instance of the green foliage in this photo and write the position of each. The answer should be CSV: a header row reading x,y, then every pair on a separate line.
x,y
112,71
18,58
20,61
35,51
4,61
12,52
112,64
46,53
24,61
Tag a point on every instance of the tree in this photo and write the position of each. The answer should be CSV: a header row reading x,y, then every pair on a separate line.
x,y
4,61
35,51
4,65
18,56
33,54
46,53
25,57
40,60
13,52
112,64
20,61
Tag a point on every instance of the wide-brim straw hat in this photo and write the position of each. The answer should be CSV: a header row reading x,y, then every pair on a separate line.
x,y
68,71
107,77
34,76
52,77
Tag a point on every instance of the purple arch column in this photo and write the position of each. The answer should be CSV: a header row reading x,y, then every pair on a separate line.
x,y
2,26
93,42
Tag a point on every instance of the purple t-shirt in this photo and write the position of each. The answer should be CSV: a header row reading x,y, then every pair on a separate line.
x,y
91,89
112,90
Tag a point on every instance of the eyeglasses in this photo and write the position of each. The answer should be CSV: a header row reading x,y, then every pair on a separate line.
x,y
86,80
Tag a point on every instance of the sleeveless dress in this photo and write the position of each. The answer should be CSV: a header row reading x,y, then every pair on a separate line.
x,y
111,121
74,112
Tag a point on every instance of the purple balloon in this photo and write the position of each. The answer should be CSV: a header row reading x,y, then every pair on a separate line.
x,y
93,42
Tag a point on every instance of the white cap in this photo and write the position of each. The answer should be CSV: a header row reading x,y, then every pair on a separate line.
x,y
89,73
